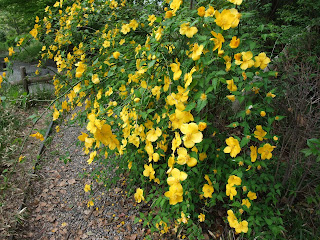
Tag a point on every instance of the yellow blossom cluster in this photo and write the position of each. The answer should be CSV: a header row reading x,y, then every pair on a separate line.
x,y
150,89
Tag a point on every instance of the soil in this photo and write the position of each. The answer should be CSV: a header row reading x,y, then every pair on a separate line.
x,y
57,205
12,196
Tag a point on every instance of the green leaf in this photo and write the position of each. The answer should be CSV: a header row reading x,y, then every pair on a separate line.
x,y
201,104
233,125
190,106
244,141
136,219
151,63
144,115
209,89
268,221
215,83
220,73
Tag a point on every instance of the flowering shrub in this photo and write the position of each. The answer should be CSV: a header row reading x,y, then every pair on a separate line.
x,y
179,96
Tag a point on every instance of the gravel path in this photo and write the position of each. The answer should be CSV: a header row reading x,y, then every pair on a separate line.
x,y
57,202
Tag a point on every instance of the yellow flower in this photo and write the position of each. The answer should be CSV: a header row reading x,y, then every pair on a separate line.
x,y
81,67
202,126
90,203
175,68
188,77
116,55
134,139
251,195
155,157
259,133
125,28
210,12
158,33
129,164
153,134
152,18
133,24
231,191
149,171
203,97
202,156
95,79
234,43
207,190
188,31
227,60
176,177
87,188
21,158
261,61
253,153
11,51
156,91
269,94
234,180
168,14
175,5
175,194
265,151
237,2
232,98
244,75
34,32
218,40
242,227
228,18
233,147
184,158
196,52
275,138
232,219
201,217
138,196
20,42
231,86
37,135
92,156
83,136
192,134
246,202
246,62
262,113
201,11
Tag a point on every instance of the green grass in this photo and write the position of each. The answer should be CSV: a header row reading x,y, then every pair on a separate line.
x,y
3,48
30,53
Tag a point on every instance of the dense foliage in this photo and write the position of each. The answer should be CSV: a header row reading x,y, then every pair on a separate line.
x,y
177,92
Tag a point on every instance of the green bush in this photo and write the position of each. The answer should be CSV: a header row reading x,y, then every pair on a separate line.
x,y
178,94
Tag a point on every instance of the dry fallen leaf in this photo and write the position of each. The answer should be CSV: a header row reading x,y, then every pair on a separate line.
x,y
133,237
86,212
71,181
